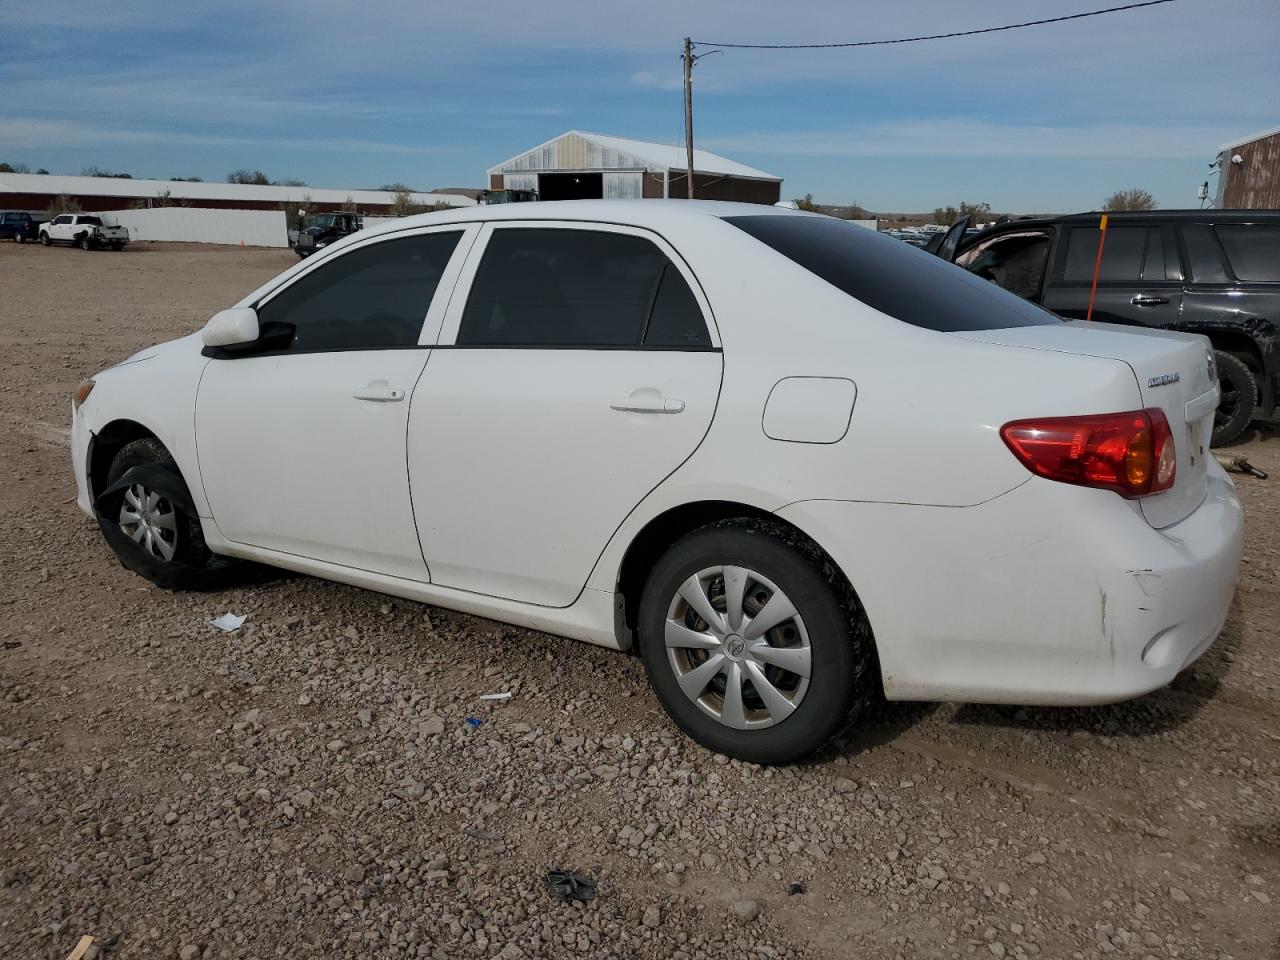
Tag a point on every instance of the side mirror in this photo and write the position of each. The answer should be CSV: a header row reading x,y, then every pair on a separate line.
x,y
230,327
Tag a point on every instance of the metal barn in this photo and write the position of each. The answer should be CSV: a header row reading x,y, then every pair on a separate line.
x,y
589,166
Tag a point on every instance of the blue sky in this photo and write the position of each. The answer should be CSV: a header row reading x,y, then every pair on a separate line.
x,y
342,94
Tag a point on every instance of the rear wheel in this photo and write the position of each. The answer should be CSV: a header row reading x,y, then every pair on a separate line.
x,y
1239,398
86,242
752,641
19,237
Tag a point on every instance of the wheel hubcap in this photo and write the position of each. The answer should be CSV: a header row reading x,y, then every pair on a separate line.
x,y
150,520
738,647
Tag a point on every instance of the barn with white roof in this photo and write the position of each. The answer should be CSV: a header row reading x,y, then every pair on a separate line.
x,y
592,166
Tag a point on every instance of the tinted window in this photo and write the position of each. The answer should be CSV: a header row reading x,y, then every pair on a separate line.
x,y
376,296
1252,248
91,221
890,276
62,219
1122,254
565,288
676,320
1204,254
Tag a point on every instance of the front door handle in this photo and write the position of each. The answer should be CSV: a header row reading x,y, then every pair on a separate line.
x,y
379,394
646,401
1141,301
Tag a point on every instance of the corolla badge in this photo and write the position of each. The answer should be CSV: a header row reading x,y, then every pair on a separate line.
x,y
1163,380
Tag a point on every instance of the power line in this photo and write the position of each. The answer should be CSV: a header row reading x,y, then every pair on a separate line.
x,y
936,36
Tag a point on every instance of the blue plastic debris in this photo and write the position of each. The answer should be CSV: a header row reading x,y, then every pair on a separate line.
x,y
474,721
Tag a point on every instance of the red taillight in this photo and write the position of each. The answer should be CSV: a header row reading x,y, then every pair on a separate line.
x,y
1130,453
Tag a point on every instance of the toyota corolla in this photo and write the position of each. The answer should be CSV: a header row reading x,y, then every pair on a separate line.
x,y
787,460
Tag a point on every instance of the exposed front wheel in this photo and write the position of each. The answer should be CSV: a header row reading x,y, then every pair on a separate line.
x,y
44,239
752,641
147,516
1239,398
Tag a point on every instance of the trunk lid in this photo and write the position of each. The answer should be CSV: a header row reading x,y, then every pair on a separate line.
x,y
1174,373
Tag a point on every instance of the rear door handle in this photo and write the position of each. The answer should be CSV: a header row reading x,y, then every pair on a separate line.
x,y
1141,301
646,402
379,394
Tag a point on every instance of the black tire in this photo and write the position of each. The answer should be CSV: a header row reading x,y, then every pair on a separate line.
x,y
44,239
19,238
190,548
839,636
1239,388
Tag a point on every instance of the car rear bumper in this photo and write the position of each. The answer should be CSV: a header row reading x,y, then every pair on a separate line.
x,y
1049,594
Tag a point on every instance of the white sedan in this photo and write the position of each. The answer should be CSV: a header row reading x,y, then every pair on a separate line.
x,y
786,459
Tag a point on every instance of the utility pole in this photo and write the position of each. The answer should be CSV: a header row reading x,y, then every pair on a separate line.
x,y
688,111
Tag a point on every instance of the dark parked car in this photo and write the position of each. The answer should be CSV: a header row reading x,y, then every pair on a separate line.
x,y
18,225
324,229
1212,272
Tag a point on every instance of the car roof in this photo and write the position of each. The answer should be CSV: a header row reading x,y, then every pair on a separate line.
x,y
653,214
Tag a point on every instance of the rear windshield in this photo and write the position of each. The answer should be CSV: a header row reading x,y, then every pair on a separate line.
x,y
893,277
92,221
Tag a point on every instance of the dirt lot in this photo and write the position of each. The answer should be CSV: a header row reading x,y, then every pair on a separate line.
x,y
310,786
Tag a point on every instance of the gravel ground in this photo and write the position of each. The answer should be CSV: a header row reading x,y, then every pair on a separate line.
x,y
310,785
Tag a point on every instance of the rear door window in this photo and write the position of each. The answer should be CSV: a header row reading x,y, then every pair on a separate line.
x,y
891,276
1253,249
1204,254
566,288
1123,254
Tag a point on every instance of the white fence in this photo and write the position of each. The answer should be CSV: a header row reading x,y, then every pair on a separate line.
x,y
251,228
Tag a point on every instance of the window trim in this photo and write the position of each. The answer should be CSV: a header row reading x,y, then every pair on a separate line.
x,y
448,336
430,323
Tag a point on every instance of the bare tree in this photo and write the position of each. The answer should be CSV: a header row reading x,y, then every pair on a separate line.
x,y
294,212
1134,199
256,177
63,204
806,203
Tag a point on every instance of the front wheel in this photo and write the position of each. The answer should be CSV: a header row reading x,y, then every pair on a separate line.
x,y
1238,399
44,239
753,642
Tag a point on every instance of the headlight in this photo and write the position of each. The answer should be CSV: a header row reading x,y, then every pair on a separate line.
x,y
82,393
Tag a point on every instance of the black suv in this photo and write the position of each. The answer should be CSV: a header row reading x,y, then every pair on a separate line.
x,y
1213,272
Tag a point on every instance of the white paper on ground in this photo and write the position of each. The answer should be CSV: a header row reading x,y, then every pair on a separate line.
x,y
229,622
496,696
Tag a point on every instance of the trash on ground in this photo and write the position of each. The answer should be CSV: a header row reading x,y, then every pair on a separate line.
x,y
794,888
568,885
230,622
496,696
1234,463
81,948
474,721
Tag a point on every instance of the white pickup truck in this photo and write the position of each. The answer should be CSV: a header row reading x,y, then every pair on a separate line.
x,y
85,230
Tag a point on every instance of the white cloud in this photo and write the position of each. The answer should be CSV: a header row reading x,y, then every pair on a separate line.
x,y
33,134
982,138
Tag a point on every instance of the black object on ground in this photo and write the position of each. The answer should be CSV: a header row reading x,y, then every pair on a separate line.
x,y
794,888
570,886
